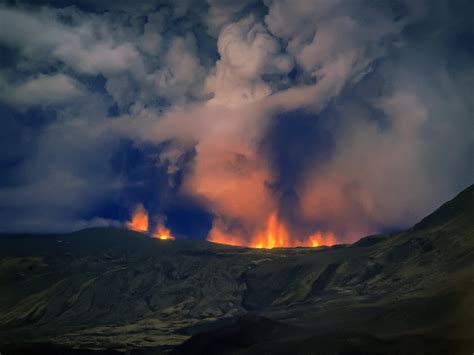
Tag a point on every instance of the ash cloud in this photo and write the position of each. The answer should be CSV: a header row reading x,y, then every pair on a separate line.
x,y
349,117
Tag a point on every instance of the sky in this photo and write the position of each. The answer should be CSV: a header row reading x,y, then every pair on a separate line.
x,y
343,118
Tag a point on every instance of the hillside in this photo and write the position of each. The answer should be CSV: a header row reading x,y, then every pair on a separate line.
x,y
115,290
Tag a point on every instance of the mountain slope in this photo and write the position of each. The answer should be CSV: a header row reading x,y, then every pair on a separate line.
x,y
110,289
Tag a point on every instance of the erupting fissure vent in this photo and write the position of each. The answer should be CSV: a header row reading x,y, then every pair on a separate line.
x,y
140,223
274,235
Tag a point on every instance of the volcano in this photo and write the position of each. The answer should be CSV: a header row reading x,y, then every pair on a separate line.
x,y
109,291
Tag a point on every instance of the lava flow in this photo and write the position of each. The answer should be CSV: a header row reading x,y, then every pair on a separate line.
x,y
140,223
275,235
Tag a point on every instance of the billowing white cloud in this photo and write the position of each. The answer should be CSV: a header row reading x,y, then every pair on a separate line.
x,y
87,47
383,78
43,90
333,42
247,53
182,72
224,12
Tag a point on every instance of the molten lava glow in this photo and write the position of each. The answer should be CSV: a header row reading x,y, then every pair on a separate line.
x,y
163,233
139,223
275,235
317,239
216,235
139,220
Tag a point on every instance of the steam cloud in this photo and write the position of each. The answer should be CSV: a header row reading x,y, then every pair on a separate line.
x,y
349,117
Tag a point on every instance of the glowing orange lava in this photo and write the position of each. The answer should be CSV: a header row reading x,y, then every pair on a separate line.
x,y
163,233
317,239
140,223
139,220
275,235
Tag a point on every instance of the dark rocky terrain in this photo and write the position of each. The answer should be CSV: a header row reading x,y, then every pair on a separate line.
x,y
112,290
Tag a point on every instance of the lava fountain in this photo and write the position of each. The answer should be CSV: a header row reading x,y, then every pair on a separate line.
x,y
139,220
140,223
274,235
163,233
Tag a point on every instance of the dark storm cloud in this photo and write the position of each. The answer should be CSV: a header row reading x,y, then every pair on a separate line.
x,y
290,136
349,116
69,70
